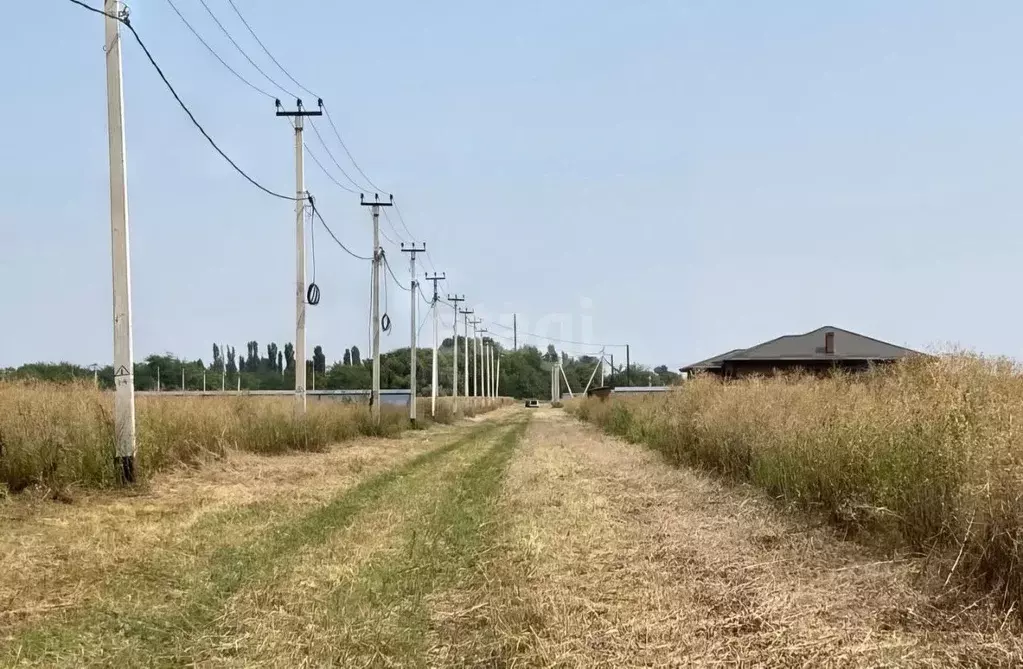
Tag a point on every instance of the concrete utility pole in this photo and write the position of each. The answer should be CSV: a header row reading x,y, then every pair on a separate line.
x,y
301,197
435,378
204,380
515,332
628,367
378,261
497,381
124,358
475,358
412,249
491,370
454,300
183,378
223,367
484,391
467,313
157,379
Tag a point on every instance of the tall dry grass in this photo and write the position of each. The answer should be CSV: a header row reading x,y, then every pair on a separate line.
x,y
925,456
62,435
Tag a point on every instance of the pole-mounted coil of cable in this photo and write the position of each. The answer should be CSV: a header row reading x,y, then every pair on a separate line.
x,y
312,293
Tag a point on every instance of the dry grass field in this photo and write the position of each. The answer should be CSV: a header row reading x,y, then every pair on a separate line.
x,y
923,459
522,538
61,436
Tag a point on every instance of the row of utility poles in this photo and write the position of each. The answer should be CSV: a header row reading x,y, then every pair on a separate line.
x,y
486,367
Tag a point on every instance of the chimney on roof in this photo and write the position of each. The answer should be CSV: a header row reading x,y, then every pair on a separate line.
x,y
829,343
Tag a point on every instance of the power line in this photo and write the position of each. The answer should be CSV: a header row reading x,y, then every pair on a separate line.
x,y
560,341
267,51
391,272
216,55
242,51
325,171
401,219
394,229
331,155
425,298
389,238
152,61
316,212
423,323
326,113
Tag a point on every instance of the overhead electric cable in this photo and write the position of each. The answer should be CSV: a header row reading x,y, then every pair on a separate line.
x,y
152,61
326,172
267,51
216,55
391,272
555,339
326,112
316,212
242,51
331,155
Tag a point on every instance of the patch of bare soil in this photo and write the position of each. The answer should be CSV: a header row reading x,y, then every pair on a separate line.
x,y
609,557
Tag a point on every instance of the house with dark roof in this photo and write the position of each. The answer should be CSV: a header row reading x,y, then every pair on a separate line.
x,y
822,350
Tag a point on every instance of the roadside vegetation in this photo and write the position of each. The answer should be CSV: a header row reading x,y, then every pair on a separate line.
x,y
925,457
61,436
334,565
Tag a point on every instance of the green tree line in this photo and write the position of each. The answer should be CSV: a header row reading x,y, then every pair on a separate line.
x,y
524,372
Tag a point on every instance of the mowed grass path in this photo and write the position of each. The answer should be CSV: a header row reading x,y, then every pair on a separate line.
x,y
524,539
273,583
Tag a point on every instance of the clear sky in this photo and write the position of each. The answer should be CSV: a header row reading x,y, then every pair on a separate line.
x,y
703,175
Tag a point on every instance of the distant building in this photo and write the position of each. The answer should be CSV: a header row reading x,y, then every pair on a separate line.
x,y
822,350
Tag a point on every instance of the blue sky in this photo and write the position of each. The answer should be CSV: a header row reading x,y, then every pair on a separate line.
x,y
704,175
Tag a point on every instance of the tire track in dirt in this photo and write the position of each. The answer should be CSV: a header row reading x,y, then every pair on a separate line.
x,y
609,557
339,602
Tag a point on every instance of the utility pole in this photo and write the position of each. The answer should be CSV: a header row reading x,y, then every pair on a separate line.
x,y
412,249
628,367
204,380
301,196
223,367
484,380
124,358
497,382
183,378
378,260
435,379
466,313
454,300
475,358
493,369
157,379
515,332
